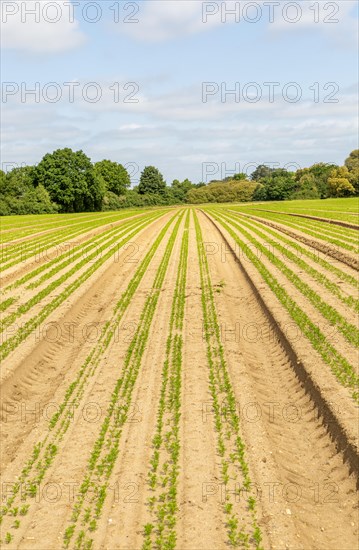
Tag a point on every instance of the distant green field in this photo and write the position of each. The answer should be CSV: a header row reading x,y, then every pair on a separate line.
x,y
333,209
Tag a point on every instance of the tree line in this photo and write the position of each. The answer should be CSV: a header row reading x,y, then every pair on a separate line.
x,y
67,181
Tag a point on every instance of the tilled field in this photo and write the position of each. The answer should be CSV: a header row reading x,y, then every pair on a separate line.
x,y
180,378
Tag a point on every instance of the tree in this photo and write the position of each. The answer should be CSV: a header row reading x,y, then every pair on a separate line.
x,y
20,196
341,187
307,188
71,181
231,191
180,189
279,185
260,193
339,183
19,181
321,172
352,164
354,179
262,171
240,177
151,181
115,176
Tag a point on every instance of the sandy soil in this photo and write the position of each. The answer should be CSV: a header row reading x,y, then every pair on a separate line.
x,y
302,467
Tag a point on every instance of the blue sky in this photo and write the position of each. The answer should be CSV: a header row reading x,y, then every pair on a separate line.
x,y
173,49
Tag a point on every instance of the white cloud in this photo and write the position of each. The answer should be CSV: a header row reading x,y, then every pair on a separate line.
x,y
333,20
160,20
51,29
178,133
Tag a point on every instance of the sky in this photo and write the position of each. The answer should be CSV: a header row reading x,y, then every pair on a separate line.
x,y
200,90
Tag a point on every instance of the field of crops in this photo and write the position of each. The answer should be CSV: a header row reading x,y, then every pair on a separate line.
x,y
181,378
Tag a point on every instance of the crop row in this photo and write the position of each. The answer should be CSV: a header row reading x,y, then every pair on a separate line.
x,y
341,368
93,490
160,532
20,248
58,264
17,252
294,257
241,517
45,450
69,253
60,222
336,209
81,251
305,251
326,222
341,234
313,230
11,343
324,249
32,221
346,235
349,331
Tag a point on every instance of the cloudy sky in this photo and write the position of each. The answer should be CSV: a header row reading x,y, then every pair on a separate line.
x,y
198,89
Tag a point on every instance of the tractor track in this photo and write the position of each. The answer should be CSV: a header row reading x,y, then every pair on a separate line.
x,y
315,449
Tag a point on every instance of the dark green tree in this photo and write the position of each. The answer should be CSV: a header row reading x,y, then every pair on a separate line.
x,y
279,185
19,181
260,193
71,181
115,176
20,196
180,189
321,172
307,188
352,163
151,181
262,171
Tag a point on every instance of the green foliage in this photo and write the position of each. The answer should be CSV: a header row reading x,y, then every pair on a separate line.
x,y
71,181
240,177
260,193
2,179
307,188
232,191
20,196
339,183
320,172
352,162
341,187
279,185
151,181
134,199
67,181
18,181
262,171
111,202
115,176
179,189
99,256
